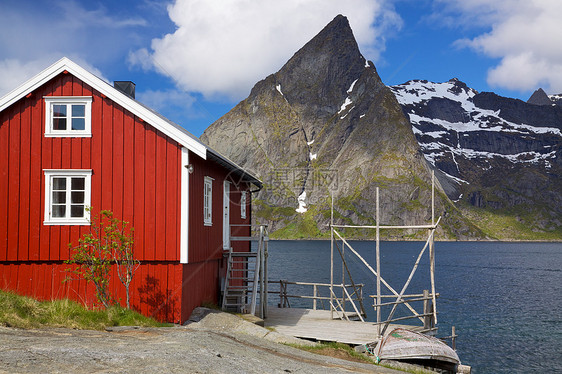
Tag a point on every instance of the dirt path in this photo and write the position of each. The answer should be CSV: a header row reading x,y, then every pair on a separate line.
x,y
193,349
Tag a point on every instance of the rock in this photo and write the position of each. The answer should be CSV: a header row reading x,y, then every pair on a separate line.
x,y
539,97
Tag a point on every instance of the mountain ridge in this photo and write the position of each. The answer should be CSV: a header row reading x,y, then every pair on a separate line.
x,y
495,153
325,126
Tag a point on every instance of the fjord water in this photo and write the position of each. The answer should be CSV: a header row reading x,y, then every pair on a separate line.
x,y
505,299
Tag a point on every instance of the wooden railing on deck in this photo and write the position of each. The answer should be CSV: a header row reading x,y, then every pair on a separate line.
x,y
351,295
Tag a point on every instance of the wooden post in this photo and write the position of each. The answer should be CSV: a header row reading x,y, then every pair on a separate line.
x,y
453,338
432,276
262,262
432,249
332,259
426,310
378,264
265,279
280,293
255,283
343,278
315,294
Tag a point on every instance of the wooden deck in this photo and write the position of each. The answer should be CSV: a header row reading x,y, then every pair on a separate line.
x,y
317,325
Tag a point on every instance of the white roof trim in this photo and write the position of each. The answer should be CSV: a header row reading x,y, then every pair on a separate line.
x,y
175,132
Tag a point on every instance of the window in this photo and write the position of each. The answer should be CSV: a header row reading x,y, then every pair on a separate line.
x,y
67,195
68,116
208,201
243,205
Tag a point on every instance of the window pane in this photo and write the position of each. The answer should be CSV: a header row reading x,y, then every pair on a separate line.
x,y
78,110
59,211
59,184
78,124
77,210
59,197
59,123
77,184
77,197
59,110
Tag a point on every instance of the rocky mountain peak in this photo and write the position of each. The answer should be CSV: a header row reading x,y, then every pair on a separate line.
x,y
321,72
325,126
539,97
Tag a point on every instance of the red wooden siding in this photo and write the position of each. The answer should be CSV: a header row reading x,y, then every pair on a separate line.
x,y
201,284
206,266
206,242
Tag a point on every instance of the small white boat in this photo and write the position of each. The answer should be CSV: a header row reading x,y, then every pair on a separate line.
x,y
415,348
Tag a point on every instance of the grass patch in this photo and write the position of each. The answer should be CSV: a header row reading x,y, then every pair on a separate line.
x,y
337,350
518,223
26,313
345,352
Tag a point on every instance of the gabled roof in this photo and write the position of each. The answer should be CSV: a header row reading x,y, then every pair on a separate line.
x,y
159,122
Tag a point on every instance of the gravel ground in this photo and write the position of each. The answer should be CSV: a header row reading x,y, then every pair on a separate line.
x,y
218,343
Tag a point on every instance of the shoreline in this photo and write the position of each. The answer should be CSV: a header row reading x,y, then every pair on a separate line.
x,y
436,240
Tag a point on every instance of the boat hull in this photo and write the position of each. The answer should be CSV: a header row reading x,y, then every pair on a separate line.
x,y
412,347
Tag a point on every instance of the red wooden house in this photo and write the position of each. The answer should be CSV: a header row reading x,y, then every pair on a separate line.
x,y
69,140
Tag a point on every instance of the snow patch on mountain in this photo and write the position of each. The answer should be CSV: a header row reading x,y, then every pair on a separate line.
x,y
345,104
302,204
416,91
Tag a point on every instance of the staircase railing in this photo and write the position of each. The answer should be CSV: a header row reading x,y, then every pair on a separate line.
x,y
250,269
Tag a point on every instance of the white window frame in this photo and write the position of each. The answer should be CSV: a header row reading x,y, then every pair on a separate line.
x,y
208,201
67,173
243,202
50,101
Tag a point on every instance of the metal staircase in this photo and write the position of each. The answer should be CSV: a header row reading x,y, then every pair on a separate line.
x,y
245,285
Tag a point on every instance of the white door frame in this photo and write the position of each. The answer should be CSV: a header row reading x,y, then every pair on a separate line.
x,y
226,216
184,206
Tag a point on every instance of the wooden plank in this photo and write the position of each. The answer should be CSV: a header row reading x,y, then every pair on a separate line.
x,y
138,192
96,151
36,175
14,183
128,167
107,156
4,181
117,163
317,325
173,160
25,168
45,250
160,211
149,193
64,241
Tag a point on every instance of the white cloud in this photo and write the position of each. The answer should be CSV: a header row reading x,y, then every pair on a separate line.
x,y
523,34
224,47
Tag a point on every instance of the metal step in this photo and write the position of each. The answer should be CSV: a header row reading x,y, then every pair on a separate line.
x,y
244,254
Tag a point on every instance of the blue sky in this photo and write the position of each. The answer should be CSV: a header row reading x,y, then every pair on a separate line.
x,y
193,60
